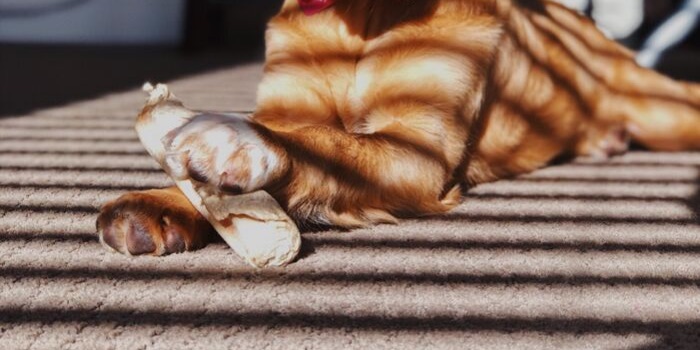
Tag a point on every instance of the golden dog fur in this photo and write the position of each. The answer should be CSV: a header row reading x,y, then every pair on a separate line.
x,y
391,108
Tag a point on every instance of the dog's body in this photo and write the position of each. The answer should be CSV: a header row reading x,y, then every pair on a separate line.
x,y
373,109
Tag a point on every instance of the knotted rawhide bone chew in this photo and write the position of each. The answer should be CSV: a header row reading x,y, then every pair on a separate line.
x,y
253,224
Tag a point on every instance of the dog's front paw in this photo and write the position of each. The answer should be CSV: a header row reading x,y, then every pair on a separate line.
x,y
155,222
223,151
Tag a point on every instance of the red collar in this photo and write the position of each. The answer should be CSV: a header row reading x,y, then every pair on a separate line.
x,y
311,7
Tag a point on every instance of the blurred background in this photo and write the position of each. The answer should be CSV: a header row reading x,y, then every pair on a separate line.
x,y
56,51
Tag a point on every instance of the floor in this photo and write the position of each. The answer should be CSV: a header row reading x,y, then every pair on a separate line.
x,y
588,255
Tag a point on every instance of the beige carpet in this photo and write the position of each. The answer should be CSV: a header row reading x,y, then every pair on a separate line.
x,y
586,255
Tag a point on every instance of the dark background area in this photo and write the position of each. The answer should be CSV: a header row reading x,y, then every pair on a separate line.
x,y
683,61
217,33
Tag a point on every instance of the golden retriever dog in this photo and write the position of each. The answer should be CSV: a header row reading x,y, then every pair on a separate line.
x,y
372,110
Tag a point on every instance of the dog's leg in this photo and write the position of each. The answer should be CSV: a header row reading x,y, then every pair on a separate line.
x,y
659,112
562,87
155,222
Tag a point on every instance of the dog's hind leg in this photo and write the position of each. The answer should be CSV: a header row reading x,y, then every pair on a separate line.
x,y
659,112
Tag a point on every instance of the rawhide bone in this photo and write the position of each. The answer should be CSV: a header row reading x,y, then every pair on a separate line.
x,y
253,224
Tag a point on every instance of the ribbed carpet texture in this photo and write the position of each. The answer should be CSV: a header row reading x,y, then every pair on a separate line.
x,y
586,255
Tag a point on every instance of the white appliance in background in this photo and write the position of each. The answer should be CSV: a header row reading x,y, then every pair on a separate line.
x,y
670,33
617,18
104,22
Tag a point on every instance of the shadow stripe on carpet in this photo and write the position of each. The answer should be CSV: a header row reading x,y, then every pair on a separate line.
x,y
95,128
607,180
77,152
64,208
582,197
571,181
67,124
631,163
107,169
466,217
341,277
573,218
445,244
122,187
84,160
641,199
336,320
71,138
29,145
452,243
